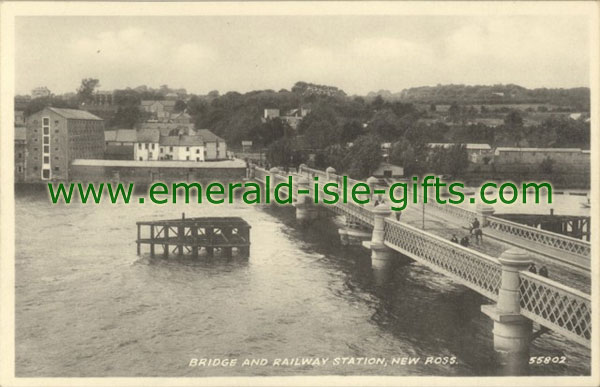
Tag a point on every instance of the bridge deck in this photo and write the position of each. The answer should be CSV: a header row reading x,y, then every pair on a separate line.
x,y
444,225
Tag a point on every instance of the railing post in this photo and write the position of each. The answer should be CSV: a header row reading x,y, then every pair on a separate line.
x,y
512,331
300,168
484,211
330,173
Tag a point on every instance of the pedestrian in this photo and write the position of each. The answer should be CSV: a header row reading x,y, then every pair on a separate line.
x,y
454,238
465,241
544,271
532,268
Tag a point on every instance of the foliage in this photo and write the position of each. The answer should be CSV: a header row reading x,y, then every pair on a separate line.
x,y
179,106
363,157
547,165
85,92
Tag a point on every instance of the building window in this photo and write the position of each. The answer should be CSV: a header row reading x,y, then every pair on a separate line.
x,y
152,146
141,158
46,121
187,157
56,169
35,149
55,157
45,174
197,158
161,150
46,140
46,130
46,149
171,149
46,159
56,123
197,151
146,146
187,149
20,169
140,146
34,168
19,155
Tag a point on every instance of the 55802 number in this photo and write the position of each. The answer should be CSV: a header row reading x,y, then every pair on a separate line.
x,y
547,360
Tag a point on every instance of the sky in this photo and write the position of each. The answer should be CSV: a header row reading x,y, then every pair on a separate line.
x,y
358,54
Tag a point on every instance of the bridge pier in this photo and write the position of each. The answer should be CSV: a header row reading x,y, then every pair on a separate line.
x,y
306,211
381,255
512,332
353,234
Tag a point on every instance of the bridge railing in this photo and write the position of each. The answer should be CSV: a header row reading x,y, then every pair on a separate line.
x,y
543,237
477,271
520,231
556,306
551,304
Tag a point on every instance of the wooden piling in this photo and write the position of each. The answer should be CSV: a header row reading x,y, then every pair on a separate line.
x,y
213,234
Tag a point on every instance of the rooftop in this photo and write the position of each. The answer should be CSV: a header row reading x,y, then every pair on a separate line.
x,y
471,146
182,140
208,135
513,149
74,114
148,136
236,163
121,135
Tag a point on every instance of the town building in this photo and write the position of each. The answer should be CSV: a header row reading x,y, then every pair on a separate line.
x,y
168,128
202,146
271,113
160,110
101,97
564,160
20,153
119,144
40,92
291,117
387,170
55,137
183,148
147,145
477,153
181,118
215,146
19,118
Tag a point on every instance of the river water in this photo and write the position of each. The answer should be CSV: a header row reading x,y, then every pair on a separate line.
x,y
87,305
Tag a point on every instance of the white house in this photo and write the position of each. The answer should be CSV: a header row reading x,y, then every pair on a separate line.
x,y
182,148
147,145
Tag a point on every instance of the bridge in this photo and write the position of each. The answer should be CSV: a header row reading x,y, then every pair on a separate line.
x,y
520,297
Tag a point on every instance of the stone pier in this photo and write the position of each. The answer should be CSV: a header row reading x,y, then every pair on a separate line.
x,y
512,332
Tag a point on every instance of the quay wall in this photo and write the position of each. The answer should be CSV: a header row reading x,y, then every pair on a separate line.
x,y
146,173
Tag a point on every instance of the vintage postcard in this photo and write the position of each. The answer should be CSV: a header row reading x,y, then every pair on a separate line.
x,y
299,193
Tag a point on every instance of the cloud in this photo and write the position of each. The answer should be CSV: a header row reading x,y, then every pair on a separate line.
x,y
132,54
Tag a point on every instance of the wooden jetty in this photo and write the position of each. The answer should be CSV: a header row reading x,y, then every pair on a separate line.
x,y
182,236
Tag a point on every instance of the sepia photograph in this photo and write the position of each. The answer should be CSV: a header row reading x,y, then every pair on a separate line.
x,y
299,193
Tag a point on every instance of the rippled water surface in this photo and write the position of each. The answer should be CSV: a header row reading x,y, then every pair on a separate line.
x,y
87,305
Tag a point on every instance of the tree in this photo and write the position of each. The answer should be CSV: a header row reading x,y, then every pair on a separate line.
x,y
413,158
363,157
349,131
179,106
547,165
513,122
85,93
